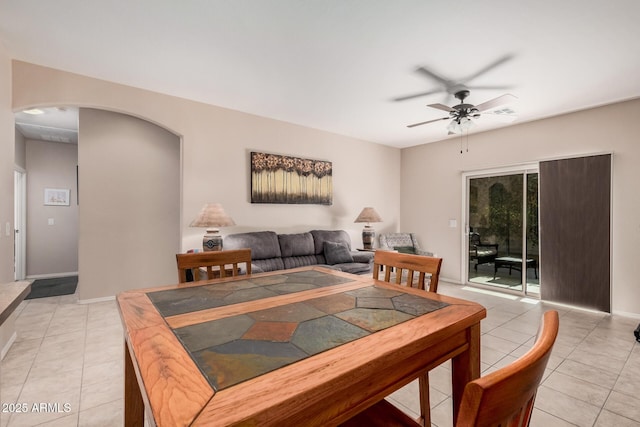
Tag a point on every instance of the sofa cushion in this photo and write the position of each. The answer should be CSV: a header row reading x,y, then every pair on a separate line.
x,y
263,244
293,245
337,253
270,264
337,236
299,261
484,252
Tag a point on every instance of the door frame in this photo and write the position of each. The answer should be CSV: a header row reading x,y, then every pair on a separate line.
x,y
523,169
20,222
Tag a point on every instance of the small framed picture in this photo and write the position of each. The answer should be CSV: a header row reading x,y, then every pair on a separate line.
x,y
56,197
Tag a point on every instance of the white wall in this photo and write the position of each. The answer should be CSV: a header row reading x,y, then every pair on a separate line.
x,y
432,183
7,143
216,143
52,249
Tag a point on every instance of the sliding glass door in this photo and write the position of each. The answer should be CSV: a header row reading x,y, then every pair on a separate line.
x,y
502,220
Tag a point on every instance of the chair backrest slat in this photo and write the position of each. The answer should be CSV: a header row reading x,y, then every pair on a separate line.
x,y
421,264
208,260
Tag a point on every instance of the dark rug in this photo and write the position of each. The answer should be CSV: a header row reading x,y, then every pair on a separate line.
x,y
53,287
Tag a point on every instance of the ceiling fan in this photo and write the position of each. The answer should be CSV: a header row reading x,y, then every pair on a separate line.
x,y
461,114
451,86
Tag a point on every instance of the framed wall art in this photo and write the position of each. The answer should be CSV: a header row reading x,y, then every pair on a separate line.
x,y
56,197
286,179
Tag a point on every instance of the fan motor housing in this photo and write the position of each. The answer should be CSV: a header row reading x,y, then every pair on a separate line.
x,y
461,94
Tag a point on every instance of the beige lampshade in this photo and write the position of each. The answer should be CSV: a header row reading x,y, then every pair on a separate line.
x,y
212,215
368,215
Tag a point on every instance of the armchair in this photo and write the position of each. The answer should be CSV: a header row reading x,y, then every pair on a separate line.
x,y
402,242
482,253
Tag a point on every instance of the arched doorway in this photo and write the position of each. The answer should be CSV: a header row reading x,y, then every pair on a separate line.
x,y
127,194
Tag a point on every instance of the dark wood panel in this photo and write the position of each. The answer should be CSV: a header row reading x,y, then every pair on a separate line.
x,y
575,243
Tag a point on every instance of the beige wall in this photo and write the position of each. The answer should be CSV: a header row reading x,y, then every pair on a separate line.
x,y
129,203
432,189
7,143
216,143
52,249
20,150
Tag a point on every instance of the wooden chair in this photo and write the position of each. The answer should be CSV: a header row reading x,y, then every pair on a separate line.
x,y
415,266
228,263
502,398
412,264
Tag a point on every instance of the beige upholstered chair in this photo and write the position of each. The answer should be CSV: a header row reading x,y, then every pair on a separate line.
x,y
228,263
402,242
502,398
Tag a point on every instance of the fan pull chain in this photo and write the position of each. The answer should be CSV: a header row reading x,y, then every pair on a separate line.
x,y
462,138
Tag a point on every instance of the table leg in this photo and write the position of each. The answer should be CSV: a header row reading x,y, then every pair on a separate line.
x,y
465,367
133,404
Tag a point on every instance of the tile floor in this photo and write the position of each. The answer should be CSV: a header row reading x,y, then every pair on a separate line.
x,y
71,355
65,353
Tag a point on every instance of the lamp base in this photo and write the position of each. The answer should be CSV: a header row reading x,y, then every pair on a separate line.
x,y
212,241
368,236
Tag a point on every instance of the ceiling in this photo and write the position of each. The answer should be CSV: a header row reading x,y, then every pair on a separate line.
x,y
54,124
338,65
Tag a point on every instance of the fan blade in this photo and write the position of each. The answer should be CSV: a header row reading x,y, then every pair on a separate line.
x,y
431,92
428,121
489,87
441,107
434,76
489,67
496,102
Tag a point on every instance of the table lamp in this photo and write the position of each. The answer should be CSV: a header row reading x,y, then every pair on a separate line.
x,y
368,215
212,216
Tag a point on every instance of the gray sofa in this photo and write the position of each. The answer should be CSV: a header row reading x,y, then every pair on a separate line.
x,y
329,248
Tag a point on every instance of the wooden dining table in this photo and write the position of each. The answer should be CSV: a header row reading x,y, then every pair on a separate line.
x,y
309,346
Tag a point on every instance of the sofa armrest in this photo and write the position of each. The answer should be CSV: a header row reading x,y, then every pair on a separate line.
x,y
362,256
255,269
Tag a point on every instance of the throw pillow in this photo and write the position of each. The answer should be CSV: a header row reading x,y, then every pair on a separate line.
x,y
405,249
337,253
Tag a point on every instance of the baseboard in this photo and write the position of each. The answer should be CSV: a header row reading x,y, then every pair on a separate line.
x,y
92,300
51,275
7,346
626,314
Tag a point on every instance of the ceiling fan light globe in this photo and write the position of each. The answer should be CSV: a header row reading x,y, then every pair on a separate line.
x,y
454,127
465,124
